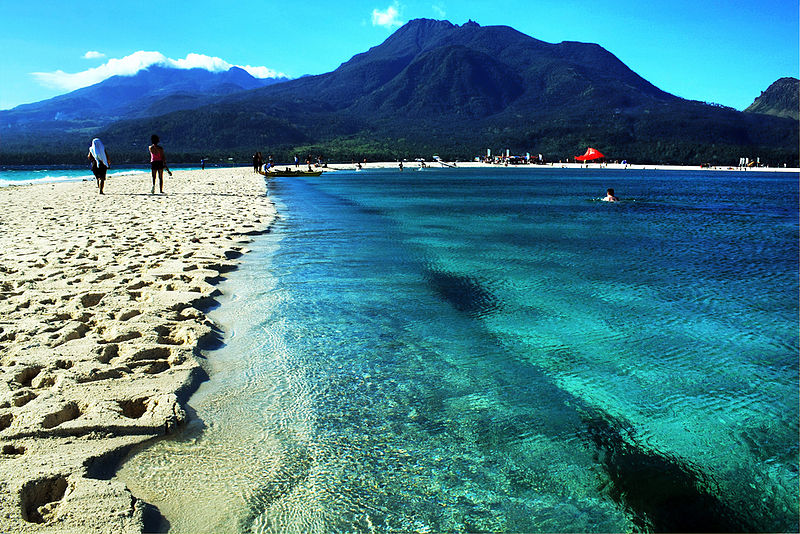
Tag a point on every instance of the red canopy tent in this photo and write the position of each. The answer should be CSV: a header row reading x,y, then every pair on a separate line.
x,y
591,153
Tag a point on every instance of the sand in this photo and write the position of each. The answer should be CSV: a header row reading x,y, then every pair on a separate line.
x,y
101,321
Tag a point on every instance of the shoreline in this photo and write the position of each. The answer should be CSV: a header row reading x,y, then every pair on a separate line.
x,y
414,165
101,323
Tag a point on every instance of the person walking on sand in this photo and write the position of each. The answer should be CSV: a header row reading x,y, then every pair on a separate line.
x,y
98,157
157,164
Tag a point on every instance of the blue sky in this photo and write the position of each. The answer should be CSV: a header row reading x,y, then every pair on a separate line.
x,y
719,51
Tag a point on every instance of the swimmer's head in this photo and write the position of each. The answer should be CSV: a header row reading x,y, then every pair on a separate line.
x,y
610,191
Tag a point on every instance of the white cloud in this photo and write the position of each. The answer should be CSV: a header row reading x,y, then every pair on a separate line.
x,y
439,10
388,18
262,72
199,61
93,54
133,63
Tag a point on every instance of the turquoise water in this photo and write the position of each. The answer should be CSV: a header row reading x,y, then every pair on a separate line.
x,y
470,351
30,175
21,175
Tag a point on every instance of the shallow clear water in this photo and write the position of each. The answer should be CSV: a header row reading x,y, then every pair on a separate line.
x,y
499,351
29,174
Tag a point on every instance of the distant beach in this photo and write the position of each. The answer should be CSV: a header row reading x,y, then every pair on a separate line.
x,y
100,306
414,165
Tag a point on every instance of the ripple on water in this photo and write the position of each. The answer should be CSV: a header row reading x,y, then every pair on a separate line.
x,y
494,353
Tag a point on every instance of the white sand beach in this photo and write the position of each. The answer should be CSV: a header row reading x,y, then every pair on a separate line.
x,y
100,320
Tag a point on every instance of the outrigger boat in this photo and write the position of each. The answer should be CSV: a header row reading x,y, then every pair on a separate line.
x,y
289,172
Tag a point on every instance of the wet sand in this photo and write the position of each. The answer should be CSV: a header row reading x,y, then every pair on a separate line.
x,y
101,320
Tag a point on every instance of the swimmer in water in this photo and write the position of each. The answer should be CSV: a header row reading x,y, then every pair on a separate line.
x,y
610,195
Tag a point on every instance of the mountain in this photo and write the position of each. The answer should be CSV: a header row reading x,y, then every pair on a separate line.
x,y
435,87
151,91
780,99
424,53
58,129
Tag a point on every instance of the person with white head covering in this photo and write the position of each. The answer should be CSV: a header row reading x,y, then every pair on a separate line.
x,y
100,162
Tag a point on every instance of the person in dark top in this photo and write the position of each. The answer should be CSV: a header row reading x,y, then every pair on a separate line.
x,y
158,162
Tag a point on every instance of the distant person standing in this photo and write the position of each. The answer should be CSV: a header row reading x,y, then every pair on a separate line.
x,y
158,162
100,162
296,161
203,164
258,160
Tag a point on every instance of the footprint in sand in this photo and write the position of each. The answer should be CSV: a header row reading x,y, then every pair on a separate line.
x,y
25,376
40,498
67,412
22,397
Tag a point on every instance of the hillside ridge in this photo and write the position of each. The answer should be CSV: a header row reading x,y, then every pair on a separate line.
x,y
436,87
781,99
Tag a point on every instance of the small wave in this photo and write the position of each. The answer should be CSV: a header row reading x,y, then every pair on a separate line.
x,y
620,201
127,173
44,179
41,176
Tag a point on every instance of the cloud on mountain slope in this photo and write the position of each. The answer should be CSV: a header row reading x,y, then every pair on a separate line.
x,y
133,63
